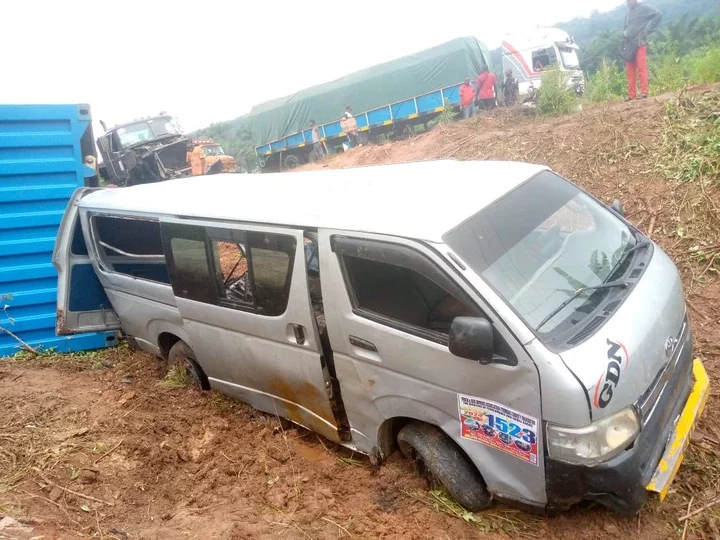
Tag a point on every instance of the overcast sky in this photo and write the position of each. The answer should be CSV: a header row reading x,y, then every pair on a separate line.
x,y
210,61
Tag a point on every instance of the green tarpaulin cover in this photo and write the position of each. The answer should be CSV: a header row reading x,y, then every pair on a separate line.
x,y
369,89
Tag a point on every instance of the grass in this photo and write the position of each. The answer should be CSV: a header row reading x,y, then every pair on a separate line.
x,y
691,141
177,377
510,522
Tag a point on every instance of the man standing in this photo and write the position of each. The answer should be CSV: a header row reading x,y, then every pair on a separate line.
x,y
487,89
197,161
640,21
467,99
510,88
317,143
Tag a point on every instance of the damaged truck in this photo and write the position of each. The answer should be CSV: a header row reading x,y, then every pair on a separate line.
x,y
144,151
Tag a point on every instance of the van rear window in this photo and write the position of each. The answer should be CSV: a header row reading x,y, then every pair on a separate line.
x,y
130,246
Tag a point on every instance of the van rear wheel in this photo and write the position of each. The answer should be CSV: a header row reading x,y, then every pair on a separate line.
x,y
441,461
183,357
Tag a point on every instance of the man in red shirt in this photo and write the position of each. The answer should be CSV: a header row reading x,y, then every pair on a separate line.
x,y
467,99
486,89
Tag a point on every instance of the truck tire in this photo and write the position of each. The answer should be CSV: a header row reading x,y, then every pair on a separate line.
x,y
442,461
182,356
292,161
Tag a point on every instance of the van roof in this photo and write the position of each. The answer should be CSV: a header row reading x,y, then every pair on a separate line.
x,y
421,200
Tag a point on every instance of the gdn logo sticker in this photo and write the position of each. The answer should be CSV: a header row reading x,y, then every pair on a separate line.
x,y
618,361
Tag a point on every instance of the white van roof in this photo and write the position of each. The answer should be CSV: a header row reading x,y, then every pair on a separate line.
x,y
421,200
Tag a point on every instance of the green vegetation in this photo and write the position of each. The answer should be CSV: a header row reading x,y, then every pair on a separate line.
x,y
608,84
691,143
556,97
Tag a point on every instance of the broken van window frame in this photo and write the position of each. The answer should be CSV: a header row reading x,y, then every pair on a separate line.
x,y
102,256
240,236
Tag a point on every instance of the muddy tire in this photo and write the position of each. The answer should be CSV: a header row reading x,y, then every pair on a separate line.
x,y
182,356
291,161
441,461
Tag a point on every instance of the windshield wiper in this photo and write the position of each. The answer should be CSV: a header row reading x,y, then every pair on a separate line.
x,y
640,244
611,285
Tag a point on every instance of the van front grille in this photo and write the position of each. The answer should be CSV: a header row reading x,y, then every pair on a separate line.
x,y
647,402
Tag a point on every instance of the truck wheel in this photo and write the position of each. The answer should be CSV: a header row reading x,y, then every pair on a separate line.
x,y
182,356
441,461
291,162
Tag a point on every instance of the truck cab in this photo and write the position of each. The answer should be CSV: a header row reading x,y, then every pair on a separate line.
x,y
215,158
144,151
529,54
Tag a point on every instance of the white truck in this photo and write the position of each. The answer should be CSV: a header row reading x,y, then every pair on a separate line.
x,y
529,54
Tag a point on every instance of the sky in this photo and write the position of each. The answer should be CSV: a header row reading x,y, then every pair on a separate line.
x,y
211,61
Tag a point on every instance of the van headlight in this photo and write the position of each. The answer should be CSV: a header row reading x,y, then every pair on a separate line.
x,y
593,444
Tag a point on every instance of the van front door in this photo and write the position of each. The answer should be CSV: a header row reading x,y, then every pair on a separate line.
x,y
389,306
242,291
82,305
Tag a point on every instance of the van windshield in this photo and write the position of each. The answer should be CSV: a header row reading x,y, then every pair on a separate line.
x,y
569,58
540,244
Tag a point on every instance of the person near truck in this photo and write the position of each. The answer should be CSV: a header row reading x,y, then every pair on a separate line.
x,y
641,20
197,161
349,126
467,99
317,143
510,89
487,89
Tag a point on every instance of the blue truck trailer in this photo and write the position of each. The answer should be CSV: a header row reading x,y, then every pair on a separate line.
x,y
46,152
387,98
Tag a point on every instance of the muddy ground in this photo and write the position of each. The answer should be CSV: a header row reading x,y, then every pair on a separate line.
x,y
100,445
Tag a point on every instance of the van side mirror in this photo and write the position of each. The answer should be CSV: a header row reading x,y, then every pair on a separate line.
x,y
617,207
472,338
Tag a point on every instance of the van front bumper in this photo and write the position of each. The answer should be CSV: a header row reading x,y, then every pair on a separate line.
x,y
673,456
623,483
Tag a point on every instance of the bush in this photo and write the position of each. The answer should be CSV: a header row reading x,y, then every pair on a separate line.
x,y
448,114
667,68
705,66
555,96
609,83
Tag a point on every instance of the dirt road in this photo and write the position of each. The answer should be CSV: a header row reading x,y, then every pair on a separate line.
x,y
97,446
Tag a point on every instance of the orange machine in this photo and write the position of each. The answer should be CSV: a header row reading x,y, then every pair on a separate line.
x,y
207,153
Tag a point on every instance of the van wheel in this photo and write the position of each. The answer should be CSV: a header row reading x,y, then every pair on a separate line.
x,y
441,461
182,356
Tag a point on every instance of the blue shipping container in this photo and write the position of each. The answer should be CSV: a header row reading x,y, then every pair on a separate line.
x,y
41,165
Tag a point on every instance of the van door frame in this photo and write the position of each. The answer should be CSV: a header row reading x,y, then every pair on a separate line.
x,y
96,317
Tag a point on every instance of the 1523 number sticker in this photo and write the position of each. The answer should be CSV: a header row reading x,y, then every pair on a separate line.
x,y
498,426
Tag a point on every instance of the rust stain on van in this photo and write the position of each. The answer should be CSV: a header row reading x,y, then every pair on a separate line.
x,y
371,382
302,395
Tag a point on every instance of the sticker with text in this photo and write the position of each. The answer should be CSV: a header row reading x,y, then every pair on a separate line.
x,y
499,427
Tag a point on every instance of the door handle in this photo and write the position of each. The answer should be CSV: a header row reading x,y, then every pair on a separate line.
x,y
299,332
362,344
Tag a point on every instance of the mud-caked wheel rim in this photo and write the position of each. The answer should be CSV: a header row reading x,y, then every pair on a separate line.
x,y
188,366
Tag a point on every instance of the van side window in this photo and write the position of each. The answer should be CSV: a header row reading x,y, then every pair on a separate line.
x,y
271,259
185,246
130,246
244,270
409,299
